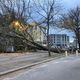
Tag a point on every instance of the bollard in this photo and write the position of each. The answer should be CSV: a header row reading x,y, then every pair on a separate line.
x,y
66,53
76,52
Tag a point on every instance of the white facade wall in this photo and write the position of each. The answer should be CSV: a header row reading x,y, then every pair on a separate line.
x,y
38,35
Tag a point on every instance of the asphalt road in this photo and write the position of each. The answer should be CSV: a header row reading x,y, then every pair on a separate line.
x,y
6,60
7,63
61,69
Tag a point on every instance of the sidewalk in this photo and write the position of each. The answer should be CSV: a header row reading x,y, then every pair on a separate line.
x,y
8,63
11,62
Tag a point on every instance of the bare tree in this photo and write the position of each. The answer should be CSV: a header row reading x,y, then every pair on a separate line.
x,y
71,21
15,15
19,12
15,12
46,12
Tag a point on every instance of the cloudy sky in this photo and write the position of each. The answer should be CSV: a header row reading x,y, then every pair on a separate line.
x,y
68,4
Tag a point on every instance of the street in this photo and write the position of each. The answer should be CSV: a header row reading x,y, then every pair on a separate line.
x,y
62,69
8,63
39,40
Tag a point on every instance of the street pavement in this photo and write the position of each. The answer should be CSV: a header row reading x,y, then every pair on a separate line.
x,y
7,59
61,69
8,63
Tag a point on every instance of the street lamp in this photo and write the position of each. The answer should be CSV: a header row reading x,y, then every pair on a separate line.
x,y
19,25
16,23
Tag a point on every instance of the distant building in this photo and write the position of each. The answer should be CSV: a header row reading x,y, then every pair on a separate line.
x,y
38,33
59,40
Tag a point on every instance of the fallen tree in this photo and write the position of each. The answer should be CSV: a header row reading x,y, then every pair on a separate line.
x,y
9,15
32,44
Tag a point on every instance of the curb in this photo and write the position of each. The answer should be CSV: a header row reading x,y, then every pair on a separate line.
x,y
27,66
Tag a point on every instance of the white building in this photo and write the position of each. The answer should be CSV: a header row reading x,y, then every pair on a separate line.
x,y
59,40
38,33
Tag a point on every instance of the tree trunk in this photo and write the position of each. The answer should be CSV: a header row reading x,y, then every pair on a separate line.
x,y
78,37
48,45
48,42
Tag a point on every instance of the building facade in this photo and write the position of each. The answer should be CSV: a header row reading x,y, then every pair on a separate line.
x,y
38,33
59,40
